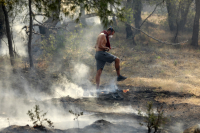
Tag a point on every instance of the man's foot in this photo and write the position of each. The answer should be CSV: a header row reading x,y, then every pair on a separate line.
x,y
121,78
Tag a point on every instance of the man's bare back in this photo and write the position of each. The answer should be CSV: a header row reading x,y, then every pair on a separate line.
x,y
101,43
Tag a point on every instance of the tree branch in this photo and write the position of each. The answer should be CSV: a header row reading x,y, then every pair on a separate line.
x,y
164,42
39,14
38,21
150,14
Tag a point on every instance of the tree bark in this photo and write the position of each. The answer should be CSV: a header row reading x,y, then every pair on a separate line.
x,y
196,25
171,8
30,35
184,8
129,32
1,22
8,33
177,23
137,6
137,13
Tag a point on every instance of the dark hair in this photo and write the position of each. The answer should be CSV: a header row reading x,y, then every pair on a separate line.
x,y
110,29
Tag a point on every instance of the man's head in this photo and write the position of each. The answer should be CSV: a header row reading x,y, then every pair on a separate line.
x,y
111,31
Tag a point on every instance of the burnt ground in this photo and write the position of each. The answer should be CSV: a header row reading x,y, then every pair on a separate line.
x,y
137,98
106,106
97,126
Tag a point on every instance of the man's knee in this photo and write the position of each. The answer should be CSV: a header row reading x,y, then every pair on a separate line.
x,y
117,60
99,72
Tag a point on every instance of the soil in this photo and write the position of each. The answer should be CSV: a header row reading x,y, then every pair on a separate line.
x,y
136,99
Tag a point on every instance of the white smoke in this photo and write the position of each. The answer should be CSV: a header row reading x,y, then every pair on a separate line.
x,y
67,88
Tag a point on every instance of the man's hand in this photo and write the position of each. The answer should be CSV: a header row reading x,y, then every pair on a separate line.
x,y
107,49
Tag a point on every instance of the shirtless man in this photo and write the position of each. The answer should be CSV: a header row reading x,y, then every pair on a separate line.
x,y
101,56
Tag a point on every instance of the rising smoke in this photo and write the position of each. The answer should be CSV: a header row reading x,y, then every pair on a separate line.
x,y
18,95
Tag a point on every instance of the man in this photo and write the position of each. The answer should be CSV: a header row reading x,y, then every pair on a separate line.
x,y
102,56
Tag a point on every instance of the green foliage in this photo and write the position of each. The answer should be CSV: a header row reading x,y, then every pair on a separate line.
x,y
38,119
67,46
129,15
49,47
61,45
71,8
158,57
175,63
153,120
14,7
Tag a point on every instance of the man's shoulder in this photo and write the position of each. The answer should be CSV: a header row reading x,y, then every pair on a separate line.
x,y
102,35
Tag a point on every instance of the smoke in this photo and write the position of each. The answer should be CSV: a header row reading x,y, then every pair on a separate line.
x,y
18,36
81,71
67,88
20,95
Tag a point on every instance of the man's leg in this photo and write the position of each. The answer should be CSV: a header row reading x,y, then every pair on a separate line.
x,y
117,67
98,75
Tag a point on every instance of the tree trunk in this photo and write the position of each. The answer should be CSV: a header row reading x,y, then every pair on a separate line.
x,y
137,6
8,33
184,8
129,32
30,35
137,13
1,22
177,23
171,8
196,25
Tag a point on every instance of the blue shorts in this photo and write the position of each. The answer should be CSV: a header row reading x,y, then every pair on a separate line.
x,y
102,57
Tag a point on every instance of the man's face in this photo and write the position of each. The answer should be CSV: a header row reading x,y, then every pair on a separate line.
x,y
111,33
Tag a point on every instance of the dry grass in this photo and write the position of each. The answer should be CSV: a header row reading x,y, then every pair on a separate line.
x,y
173,69
167,67
192,100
